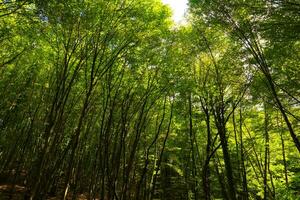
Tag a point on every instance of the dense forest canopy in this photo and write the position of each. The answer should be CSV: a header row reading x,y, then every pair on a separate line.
x,y
112,100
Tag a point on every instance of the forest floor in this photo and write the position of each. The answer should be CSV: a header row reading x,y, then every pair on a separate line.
x,y
18,192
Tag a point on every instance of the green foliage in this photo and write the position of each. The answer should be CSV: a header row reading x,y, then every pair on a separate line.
x,y
110,100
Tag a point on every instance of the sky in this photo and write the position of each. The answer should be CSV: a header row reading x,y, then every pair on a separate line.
x,y
178,7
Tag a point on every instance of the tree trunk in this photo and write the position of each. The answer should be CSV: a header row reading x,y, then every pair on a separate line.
x,y
206,167
266,164
244,172
220,123
194,169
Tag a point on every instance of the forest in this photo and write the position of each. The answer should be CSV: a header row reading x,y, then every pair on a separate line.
x,y
112,100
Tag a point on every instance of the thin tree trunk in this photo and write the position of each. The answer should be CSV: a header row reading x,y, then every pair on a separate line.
x,y
266,164
220,123
206,167
161,154
148,151
221,181
194,169
284,160
244,172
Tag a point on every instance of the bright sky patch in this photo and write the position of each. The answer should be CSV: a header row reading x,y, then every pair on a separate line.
x,y
178,7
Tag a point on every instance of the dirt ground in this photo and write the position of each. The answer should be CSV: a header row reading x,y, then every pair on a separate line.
x,y
8,192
